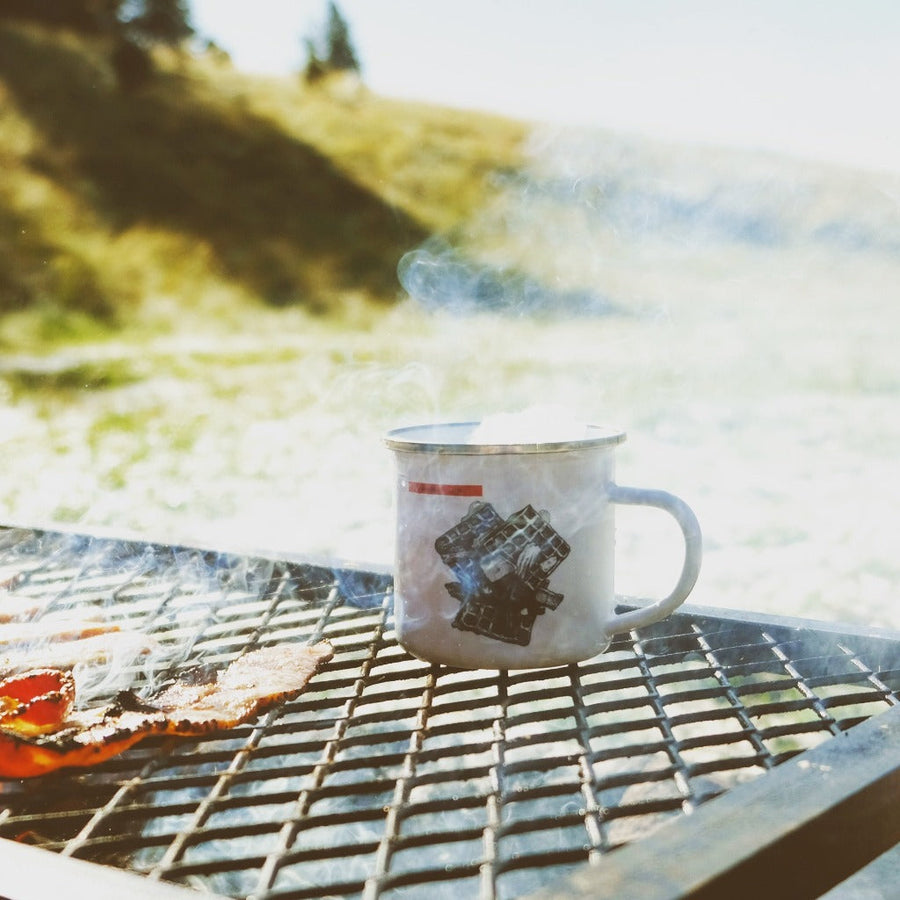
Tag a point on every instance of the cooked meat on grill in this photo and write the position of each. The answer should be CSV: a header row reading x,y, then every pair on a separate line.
x,y
9,581
52,628
65,654
37,701
16,607
197,704
13,608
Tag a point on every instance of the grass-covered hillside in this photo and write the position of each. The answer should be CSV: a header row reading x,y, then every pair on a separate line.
x,y
208,189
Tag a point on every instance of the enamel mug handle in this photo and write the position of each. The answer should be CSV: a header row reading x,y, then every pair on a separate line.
x,y
693,552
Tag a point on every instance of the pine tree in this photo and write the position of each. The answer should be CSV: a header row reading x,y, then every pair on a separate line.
x,y
340,55
315,68
160,21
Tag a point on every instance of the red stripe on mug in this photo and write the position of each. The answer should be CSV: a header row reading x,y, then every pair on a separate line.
x,y
446,490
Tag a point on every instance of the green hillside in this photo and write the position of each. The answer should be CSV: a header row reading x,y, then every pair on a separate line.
x,y
209,189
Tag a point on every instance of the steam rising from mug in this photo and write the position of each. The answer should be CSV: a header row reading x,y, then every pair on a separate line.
x,y
439,276
537,424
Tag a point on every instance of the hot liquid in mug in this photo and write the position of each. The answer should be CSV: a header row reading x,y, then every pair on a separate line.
x,y
505,551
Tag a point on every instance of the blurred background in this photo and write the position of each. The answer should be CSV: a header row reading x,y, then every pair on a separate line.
x,y
238,242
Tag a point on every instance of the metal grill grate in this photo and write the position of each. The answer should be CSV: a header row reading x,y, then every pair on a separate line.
x,y
389,774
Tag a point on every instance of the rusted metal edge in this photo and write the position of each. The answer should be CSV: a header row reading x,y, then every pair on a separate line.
x,y
28,872
795,832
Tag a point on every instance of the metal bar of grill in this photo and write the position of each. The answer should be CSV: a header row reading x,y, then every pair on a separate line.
x,y
392,777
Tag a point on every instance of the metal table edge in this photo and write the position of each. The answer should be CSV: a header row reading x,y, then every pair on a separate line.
x,y
798,831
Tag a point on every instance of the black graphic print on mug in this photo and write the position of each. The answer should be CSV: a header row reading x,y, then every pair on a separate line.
x,y
502,568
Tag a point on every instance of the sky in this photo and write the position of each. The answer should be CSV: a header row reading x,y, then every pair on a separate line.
x,y
814,78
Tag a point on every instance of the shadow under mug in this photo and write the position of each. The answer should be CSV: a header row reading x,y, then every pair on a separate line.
x,y
505,552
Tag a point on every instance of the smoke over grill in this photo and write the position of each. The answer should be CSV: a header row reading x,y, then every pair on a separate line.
x,y
95,594
390,775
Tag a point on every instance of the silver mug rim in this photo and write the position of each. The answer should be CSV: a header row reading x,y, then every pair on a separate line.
x,y
424,439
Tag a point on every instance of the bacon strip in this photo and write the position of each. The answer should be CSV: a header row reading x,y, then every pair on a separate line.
x,y
13,608
52,629
249,686
67,654
37,701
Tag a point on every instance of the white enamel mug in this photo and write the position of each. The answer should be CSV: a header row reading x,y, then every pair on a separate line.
x,y
505,552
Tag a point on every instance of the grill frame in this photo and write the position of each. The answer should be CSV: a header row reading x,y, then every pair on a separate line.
x,y
529,754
